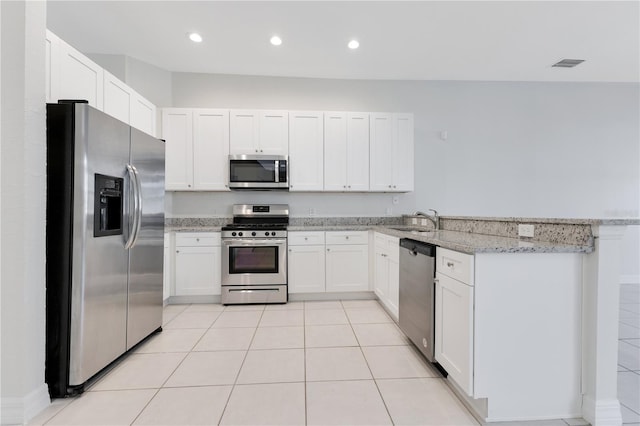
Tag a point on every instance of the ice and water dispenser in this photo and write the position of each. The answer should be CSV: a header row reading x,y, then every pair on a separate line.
x,y
107,217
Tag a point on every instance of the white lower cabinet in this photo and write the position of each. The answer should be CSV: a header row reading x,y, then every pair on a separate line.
x,y
386,278
347,261
306,262
328,262
166,276
454,330
197,264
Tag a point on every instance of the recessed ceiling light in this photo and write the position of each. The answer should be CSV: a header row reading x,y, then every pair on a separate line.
x,y
568,63
276,41
353,44
195,37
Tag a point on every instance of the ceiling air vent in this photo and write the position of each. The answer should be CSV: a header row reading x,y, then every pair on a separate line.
x,y
568,63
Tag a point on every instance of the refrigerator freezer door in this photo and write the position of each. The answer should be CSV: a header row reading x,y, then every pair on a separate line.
x,y
99,273
146,256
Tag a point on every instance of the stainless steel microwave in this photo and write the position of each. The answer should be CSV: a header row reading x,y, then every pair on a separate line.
x,y
259,172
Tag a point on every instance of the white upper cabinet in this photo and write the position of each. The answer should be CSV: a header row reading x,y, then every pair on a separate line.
x,y
346,151
391,152
197,149
259,132
143,114
306,151
71,75
177,130
79,77
403,152
116,98
210,149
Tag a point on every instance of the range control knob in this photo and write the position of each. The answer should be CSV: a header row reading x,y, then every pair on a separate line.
x,y
266,234
233,234
240,234
273,234
253,234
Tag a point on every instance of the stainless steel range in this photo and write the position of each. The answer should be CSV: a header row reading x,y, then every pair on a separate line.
x,y
254,255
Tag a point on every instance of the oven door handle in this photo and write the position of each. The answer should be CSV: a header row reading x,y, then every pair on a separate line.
x,y
252,242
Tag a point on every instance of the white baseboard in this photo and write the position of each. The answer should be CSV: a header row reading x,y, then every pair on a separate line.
x,y
602,412
18,411
630,279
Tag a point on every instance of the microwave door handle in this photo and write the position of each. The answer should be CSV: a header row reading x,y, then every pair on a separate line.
x,y
276,167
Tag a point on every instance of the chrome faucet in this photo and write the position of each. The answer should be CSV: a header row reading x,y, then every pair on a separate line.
x,y
435,218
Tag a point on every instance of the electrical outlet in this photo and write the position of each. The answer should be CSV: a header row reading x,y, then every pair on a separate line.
x,y
525,230
414,221
423,222
395,200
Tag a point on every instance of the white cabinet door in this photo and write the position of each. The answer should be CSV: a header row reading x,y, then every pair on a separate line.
x,y
177,130
454,330
274,133
381,152
335,151
346,149
393,294
167,271
117,98
197,271
52,67
244,132
347,268
403,152
143,114
306,266
80,77
391,152
357,151
381,274
306,152
211,149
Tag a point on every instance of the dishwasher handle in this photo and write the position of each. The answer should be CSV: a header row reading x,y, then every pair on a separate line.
x,y
418,247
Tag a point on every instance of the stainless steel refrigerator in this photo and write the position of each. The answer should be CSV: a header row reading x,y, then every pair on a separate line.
x,y
105,229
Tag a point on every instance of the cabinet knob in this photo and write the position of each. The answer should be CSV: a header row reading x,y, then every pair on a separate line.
x,y
327,249
394,186
188,186
256,150
450,264
389,186
344,186
347,237
261,151
197,239
305,238
177,251
349,186
289,250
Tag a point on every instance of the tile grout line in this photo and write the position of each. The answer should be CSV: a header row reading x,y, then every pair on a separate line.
x,y
371,372
235,382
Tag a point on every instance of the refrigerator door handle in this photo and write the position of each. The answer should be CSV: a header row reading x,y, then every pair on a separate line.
x,y
138,194
136,207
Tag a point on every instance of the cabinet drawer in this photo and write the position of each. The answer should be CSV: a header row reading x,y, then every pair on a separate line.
x,y
197,239
455,265
305,238
347,237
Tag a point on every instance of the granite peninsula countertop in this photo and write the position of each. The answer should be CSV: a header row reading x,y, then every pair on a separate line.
x,y
461,233
465,242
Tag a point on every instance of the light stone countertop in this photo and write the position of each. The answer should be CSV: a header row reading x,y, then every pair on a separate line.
x,y
461,241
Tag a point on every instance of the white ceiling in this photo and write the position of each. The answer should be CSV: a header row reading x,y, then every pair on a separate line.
x,y
415,40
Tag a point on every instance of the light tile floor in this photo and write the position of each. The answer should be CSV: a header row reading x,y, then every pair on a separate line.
x,y
315,363
629,353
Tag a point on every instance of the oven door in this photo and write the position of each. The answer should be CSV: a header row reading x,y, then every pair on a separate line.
x,y
247,262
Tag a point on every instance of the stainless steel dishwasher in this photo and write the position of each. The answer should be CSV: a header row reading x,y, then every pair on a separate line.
x,y
417,294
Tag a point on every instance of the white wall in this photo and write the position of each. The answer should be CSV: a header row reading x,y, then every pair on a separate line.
x,y
513,149
22,226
